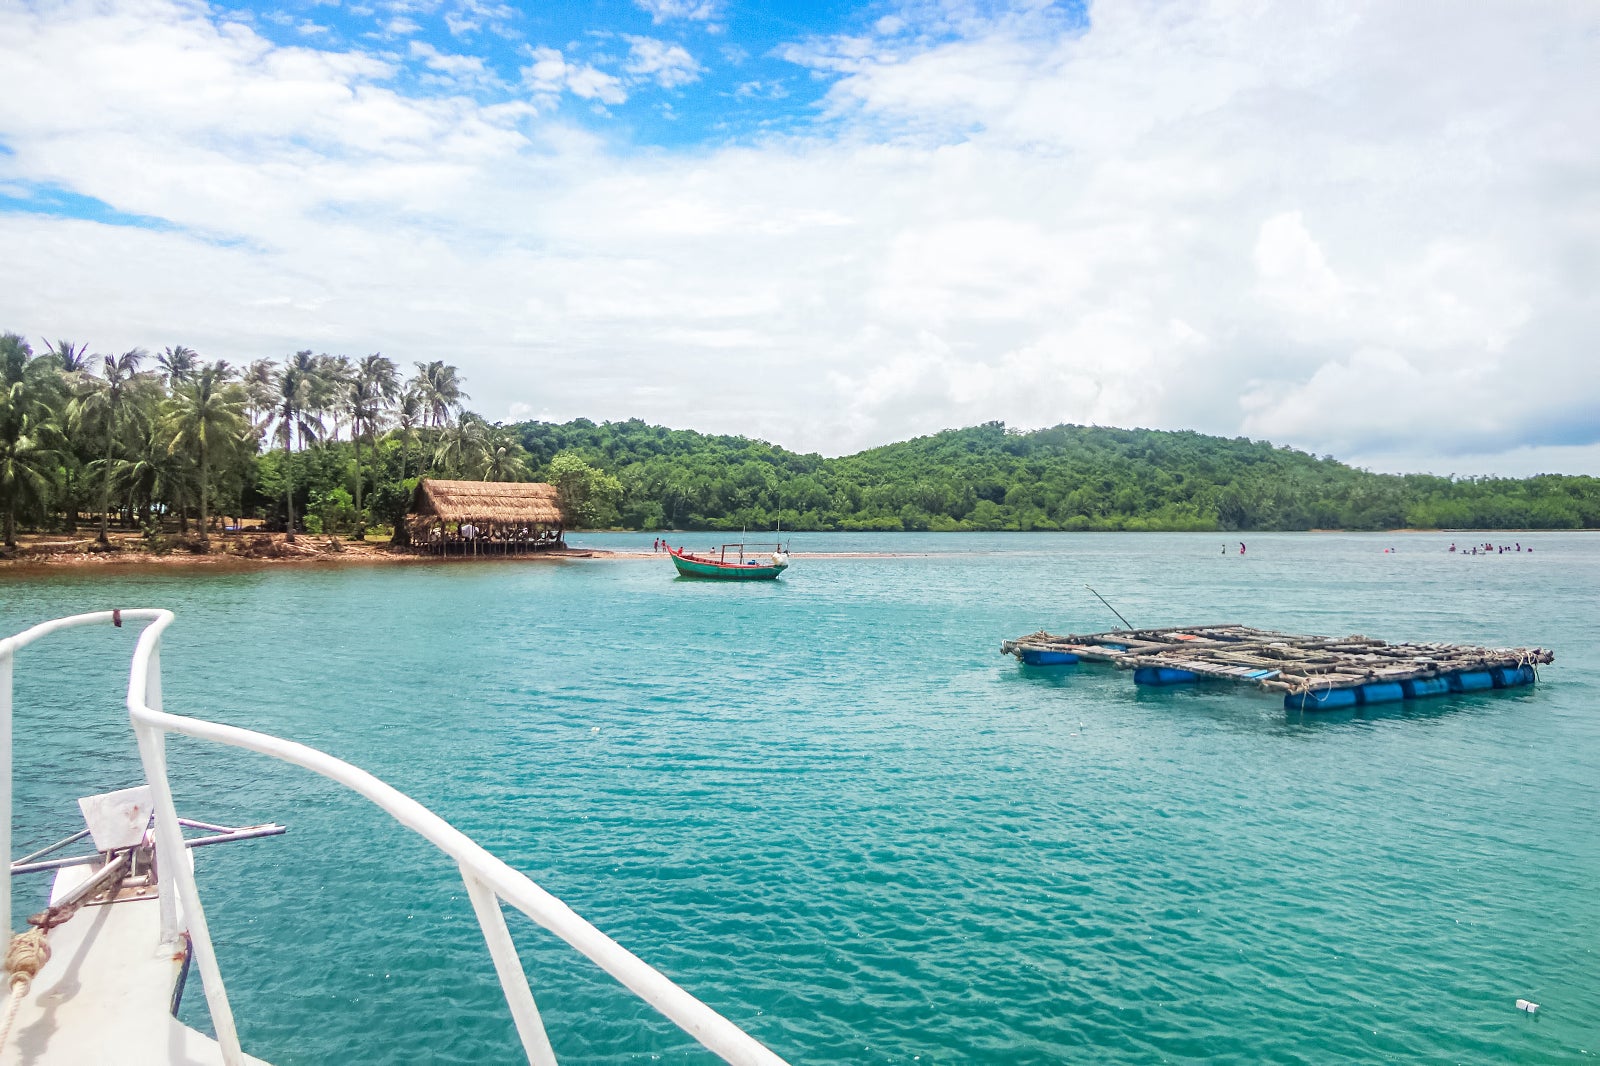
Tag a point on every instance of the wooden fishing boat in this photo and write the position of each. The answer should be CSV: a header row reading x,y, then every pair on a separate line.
x,y
733,562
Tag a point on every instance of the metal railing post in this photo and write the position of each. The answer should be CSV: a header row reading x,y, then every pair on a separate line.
x,y
152,679
177,867
508,964
166,887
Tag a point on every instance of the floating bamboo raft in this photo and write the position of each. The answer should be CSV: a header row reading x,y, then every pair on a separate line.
x,y
1311,672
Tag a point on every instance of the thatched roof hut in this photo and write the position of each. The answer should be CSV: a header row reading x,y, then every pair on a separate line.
x,y
504,503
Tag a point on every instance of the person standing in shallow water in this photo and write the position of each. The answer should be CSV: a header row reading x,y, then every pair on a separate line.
x,y
1241,547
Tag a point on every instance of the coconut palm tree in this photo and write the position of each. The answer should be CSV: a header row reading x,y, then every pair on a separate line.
x,y
72,363
145,440
149,469
177,365
408,414
440,387
463,446
294,413
372,390
260,387
503,456
30,437
71,359
206,415
101,403
334,374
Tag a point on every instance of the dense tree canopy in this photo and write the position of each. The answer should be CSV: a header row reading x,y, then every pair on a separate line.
x,y
989,477
327,444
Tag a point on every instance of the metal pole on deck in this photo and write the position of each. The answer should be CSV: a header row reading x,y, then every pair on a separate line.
x,y
1126,624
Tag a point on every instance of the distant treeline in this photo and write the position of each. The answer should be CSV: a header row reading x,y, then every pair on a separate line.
x,y
166,443
989,477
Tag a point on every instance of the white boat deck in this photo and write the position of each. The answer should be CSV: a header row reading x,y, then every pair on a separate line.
x,y
106,994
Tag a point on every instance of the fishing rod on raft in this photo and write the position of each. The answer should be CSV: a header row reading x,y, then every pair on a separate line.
x,y
1125,623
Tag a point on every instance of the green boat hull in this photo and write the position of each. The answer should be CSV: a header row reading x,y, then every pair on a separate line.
x,y
726,572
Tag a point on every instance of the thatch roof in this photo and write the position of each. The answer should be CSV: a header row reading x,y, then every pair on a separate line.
x,y
507,502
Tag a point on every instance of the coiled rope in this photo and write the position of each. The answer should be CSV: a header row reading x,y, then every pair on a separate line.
x,y
1309,690
24,959
29,951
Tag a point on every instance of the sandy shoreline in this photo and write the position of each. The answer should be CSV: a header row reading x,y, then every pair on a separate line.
x,y
228,553
232,555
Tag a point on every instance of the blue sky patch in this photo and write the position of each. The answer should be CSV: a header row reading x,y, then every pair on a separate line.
x,y
661,73
64,203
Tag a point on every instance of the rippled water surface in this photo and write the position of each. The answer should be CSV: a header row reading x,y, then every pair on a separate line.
x,y
830,809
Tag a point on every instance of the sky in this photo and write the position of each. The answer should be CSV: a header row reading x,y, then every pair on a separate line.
x,y
1370,230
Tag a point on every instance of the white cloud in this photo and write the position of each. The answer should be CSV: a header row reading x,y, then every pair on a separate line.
x,y
550,72
1291,269
469,16
460,71
761,90
691,10
668,65
1361,230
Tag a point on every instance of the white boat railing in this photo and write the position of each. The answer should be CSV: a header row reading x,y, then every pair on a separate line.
x,y
488,880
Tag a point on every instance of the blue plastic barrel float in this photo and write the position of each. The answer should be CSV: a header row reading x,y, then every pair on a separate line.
x,y
1323,699
1470,680
1512,676
1163,675
1381,692
1047,657
1417,688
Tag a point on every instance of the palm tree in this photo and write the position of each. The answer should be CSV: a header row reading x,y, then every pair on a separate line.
x,y
29,435
371,391
260,386
463,447
293,411
72,363
504,458
207,415
440,387
101,402
334,373
71,359
177,366
408,414
150,469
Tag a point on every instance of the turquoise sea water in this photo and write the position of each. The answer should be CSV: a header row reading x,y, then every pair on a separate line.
x,y
829,808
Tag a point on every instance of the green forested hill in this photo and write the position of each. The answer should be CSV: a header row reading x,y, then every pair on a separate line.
x,y
1067,477
170,442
